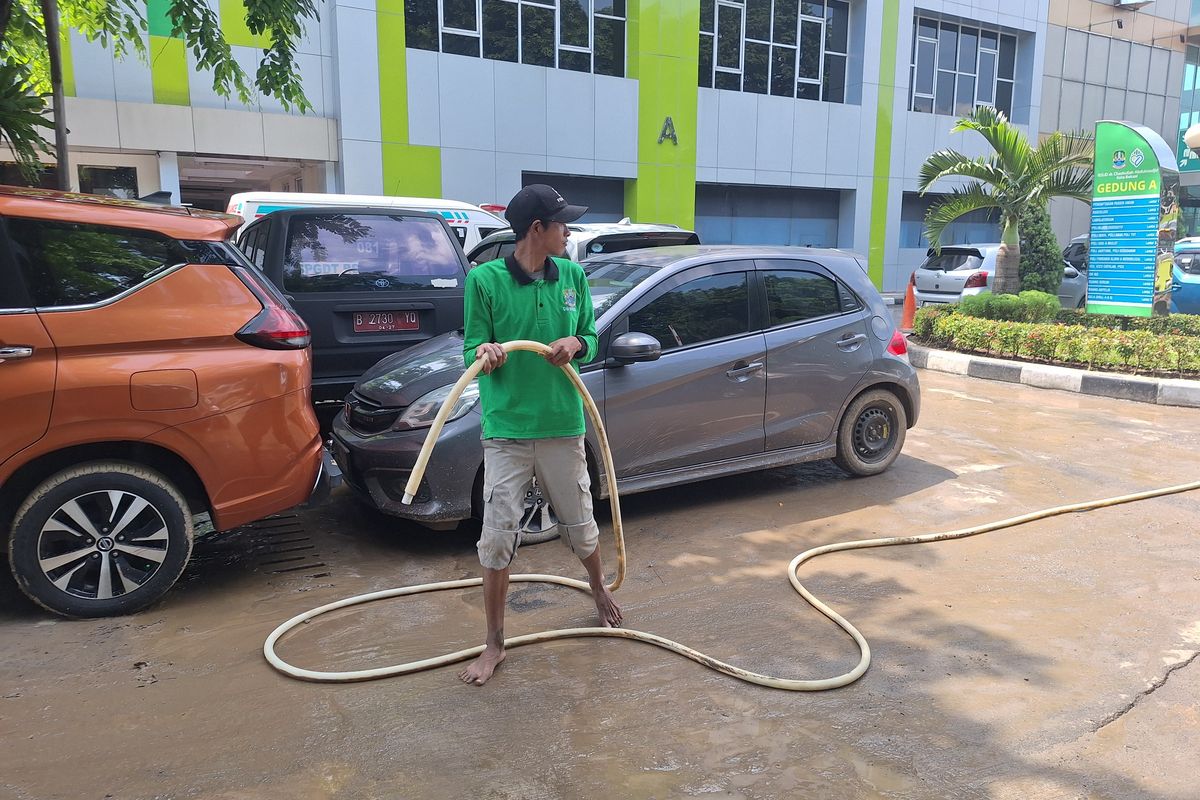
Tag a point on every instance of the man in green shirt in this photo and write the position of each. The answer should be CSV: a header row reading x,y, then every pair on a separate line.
x,y
532,416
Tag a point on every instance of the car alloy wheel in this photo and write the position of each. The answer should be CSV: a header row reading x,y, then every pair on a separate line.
x,y
102,545
100,539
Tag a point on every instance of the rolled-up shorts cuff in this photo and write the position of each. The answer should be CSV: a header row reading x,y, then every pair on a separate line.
x,y
497,548
582,539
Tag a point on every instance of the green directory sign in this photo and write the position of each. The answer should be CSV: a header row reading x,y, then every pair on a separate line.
x,y
1135,213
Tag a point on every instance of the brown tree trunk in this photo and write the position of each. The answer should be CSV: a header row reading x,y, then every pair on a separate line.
x,y
54,51
1008,262
6,7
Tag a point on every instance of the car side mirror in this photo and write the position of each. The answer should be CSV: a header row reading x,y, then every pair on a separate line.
x,y
1070,272
630,348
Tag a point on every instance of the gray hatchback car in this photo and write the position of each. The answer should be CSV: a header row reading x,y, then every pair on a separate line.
x,y
711,361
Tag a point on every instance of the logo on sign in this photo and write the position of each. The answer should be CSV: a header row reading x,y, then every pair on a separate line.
x,y
1119,159
1137,157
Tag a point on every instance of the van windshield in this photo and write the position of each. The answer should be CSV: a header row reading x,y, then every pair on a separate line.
x,y
363,252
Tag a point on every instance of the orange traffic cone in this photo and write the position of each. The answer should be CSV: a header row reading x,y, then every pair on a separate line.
x,y
910,305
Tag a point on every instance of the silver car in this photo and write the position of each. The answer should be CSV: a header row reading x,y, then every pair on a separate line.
x,y
711,361
962,270
590,239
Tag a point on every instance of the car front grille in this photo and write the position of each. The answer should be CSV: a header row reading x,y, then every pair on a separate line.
x,y
367,417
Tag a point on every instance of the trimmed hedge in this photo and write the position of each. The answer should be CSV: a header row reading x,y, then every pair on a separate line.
x,y
1029,306
1080,345
1172,325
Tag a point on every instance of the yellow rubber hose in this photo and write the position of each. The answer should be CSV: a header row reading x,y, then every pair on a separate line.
x,y
789,684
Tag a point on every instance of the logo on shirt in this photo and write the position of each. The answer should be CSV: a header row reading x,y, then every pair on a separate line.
x,y
569,299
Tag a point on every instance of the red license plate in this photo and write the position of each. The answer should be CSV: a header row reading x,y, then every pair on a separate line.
x,y
385,321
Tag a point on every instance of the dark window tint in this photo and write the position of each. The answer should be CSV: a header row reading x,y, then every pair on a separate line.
x,y
459,14
729,37
254,245
758,64
499,30
537,35
343,253
794,296
574,60
1008,56
949,260
758,19
698,311
485,255
837,26
783,71
609,47
706,60
728,80
810,50
708,16
111,181
68,264
835,79
787,19
460,45
573,23
421,24
948,46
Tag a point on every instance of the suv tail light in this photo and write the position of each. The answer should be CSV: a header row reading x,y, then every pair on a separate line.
x,y
977,280
277,326
898,346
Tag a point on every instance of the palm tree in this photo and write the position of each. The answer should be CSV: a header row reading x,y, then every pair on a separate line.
x,y
1015,176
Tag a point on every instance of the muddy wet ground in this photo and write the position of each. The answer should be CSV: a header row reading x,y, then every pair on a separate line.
x,y
1057,660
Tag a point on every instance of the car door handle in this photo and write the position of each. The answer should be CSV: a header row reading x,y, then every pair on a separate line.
x,y
851,341
746,371
14,352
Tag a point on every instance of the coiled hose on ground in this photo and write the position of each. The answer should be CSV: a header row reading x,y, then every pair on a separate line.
x,y
789,684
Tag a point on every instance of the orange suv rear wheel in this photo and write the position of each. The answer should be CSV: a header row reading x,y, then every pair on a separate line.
x,y
100,539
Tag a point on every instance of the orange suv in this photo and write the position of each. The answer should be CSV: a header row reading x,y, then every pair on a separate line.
x,y
148,374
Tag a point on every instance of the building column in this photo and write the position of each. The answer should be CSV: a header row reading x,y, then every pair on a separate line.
x,y
168,175
664,56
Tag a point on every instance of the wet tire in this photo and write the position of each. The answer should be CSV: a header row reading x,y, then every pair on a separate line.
x,y
871,434
100,539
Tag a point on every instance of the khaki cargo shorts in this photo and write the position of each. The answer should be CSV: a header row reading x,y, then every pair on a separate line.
x,y
509,466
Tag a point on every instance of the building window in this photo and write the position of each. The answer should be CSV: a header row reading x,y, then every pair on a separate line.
x,y
789,48
955,68
111,181
11,175
580,35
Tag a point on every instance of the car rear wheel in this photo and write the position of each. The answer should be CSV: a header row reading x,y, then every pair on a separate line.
x,y
871,434
100,539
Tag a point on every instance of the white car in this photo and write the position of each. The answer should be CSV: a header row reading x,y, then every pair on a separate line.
x,y
959,271
590,239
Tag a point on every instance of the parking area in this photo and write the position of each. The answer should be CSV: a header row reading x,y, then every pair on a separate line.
x,y
1057,660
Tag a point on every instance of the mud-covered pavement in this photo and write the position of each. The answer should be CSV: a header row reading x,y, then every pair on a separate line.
x,y
1058,660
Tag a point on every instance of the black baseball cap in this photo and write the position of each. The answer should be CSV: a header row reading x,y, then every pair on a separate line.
x,y
539,201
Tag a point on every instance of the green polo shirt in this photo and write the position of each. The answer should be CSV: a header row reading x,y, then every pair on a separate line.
x,y
528,398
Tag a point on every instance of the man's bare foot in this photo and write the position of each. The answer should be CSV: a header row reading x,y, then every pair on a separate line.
x,y
479,670
607,608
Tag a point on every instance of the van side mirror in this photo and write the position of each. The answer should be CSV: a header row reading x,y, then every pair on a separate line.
x,y
630,348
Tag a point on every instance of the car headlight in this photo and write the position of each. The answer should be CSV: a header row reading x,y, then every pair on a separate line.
x,y
425,408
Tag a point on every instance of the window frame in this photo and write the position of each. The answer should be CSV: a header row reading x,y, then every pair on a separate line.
x,y
710,46
559,46
972,71
672,282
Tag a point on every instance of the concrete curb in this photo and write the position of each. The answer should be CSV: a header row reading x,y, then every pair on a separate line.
x,y
1162,391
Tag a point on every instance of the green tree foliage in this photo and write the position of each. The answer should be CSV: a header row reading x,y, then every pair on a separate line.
x,y
119,25
1017,175
1041,257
